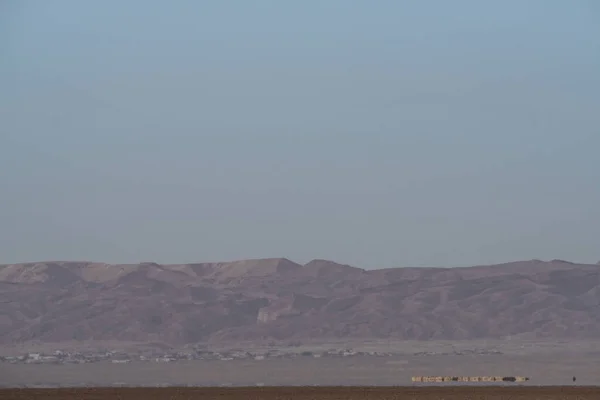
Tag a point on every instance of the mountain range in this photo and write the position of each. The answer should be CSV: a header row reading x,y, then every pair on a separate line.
x,y
279,300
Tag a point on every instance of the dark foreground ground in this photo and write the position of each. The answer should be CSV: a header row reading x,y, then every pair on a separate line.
x,y
312,393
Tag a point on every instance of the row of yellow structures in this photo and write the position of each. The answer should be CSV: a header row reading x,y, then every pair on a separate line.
x,y
469,379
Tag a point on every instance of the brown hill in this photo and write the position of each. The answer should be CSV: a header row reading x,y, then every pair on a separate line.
x,y
277,299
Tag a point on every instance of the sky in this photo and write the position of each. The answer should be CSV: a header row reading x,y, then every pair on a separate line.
x,y
377,134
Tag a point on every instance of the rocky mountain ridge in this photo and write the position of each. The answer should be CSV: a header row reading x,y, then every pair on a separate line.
x,y
277,299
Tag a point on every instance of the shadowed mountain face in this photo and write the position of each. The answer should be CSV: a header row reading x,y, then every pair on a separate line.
x,y
277,299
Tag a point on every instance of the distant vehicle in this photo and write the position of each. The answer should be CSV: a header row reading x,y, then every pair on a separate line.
x,y
432,379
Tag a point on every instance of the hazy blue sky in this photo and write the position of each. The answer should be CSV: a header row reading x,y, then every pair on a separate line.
x,y
375,133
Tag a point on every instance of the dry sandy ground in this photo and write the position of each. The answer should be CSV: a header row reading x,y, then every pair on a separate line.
x,y
551,369
309,393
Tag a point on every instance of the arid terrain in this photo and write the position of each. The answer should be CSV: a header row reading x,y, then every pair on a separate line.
x,y
273,322
545,363
309,393
277,300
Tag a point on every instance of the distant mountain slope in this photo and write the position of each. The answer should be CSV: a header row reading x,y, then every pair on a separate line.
x,y
277,299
